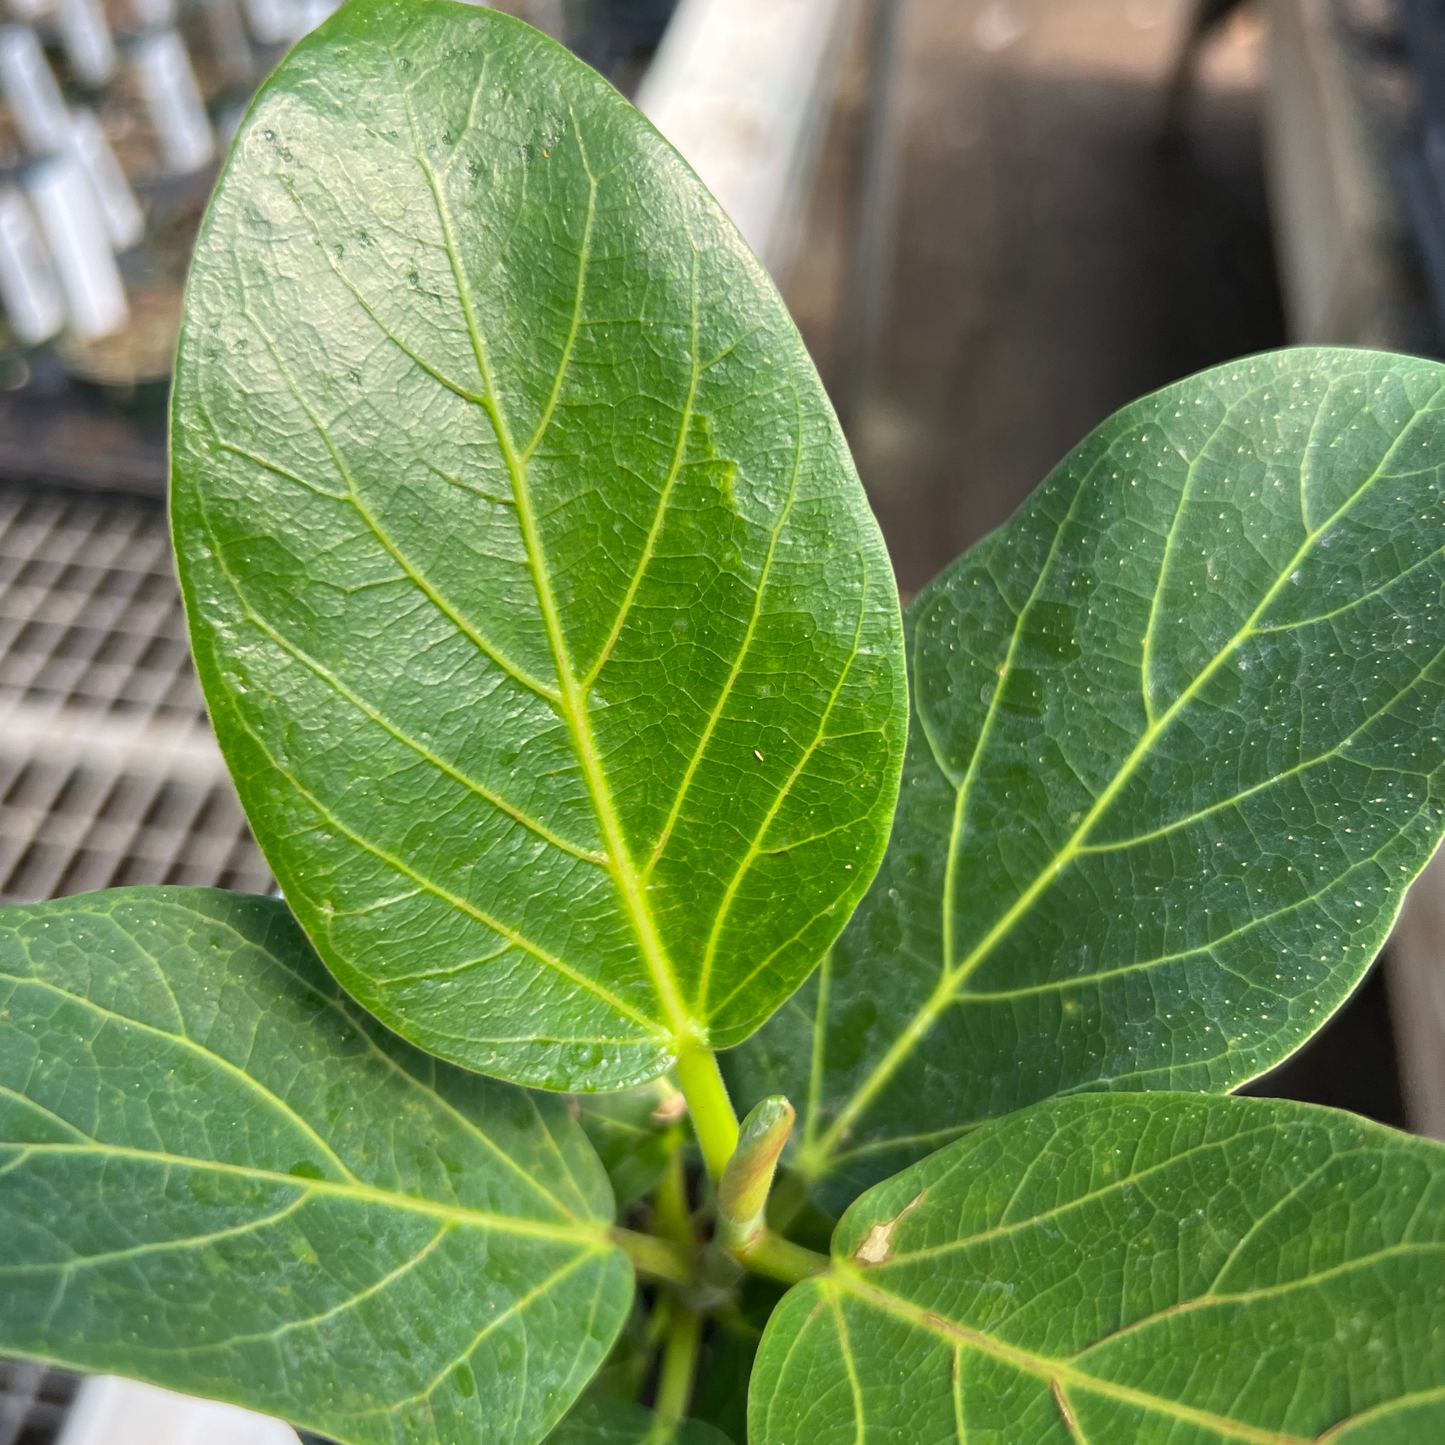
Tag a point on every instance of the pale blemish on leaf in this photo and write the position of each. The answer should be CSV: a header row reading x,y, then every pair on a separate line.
x,y
878,1244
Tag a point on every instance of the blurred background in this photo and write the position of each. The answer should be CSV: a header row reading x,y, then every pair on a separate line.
x,y
995,222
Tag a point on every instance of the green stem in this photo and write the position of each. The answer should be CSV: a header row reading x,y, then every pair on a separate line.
x,y
713,1119
674,1222
679,1366
781,1259
661,1258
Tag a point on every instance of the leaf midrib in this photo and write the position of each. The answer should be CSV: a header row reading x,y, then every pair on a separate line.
x,y
675,1023
455,1214
573,697
338,1004
182,1041
815,1161
496,925
844,1281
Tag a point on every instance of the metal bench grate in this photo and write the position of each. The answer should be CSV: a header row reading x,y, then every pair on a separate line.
x,y
109,774
33,1402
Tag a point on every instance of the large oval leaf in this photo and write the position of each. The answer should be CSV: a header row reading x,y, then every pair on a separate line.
x,y
540,613
1175,756
1106,1269
218,1175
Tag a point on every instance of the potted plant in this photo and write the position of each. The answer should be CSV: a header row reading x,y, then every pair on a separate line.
x,y
559,665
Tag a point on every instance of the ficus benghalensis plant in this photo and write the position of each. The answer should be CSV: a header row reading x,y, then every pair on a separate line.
x,y
559,665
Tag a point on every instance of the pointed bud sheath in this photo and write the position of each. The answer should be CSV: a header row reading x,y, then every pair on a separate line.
x,y
742,1192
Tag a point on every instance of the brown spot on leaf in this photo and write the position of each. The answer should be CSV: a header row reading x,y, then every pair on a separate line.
x,y
878,1243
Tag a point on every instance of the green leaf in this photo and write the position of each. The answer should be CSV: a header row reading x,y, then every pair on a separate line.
x,y
540,613
1175,756
1164,1268
624,1372
633,1143
218,1175
614,1422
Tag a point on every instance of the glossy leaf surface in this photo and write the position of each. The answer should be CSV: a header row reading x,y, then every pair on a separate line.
x,y
1150,1269
616,1422
219,1175
623,1374
1176,753
540,614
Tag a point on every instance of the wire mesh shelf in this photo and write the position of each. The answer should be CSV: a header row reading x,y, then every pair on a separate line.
x,y
109,774
34,1401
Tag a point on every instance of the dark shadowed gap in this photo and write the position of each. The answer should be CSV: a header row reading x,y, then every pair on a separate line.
x,y
1350,1064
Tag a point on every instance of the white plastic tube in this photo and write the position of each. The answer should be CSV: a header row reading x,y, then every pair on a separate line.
x,y
29,289
87,40
119,209
273,22
313,12
75,236
153,14
30,87
173,99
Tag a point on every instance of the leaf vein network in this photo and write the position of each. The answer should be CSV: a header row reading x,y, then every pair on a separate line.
x,y
755,847
573,1231
181,1041
954,976
325,675
572,699
1048,1369
502,930
336,1002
